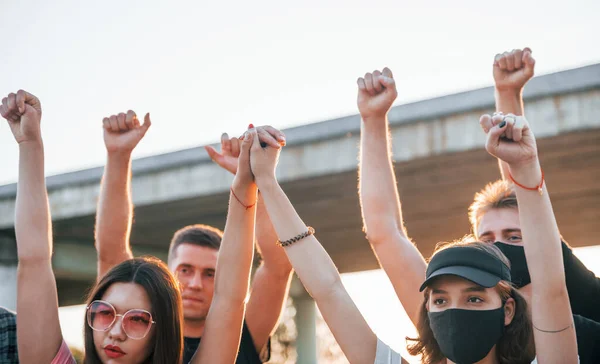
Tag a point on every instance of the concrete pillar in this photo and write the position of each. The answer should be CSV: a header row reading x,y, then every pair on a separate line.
x,y
8,272
306,324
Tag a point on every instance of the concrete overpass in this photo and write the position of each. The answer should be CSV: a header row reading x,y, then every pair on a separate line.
x,y
440,164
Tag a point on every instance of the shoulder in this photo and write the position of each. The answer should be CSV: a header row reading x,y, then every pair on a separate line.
x,y
64,355
386,355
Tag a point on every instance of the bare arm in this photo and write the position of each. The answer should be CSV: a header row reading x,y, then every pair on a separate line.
x,y
552,318
224,322
115,209
512,70
38,332
271,281
380,201
321,279
313,265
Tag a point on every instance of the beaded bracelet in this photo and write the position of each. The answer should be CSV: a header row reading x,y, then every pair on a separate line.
x,y
298,237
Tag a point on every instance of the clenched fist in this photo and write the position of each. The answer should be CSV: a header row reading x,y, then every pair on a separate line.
x,y
123,132
23,112
513,69
376,94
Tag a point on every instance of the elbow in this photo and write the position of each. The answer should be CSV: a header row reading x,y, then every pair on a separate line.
x,y
327,290
378,235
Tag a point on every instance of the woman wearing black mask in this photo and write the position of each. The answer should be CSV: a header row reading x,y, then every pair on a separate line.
x,y
471,313
554,334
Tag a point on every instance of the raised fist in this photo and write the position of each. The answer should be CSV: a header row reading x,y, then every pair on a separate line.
x,y
513,69
23,112
123,132
376,94
509,138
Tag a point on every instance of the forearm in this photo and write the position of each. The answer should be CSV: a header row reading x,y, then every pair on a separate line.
x,y
32,214
306,254
508,102
378,192
320,277
274,258
540,232
115,211
237,248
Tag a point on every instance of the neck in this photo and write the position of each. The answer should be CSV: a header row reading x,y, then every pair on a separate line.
x,y
491,358
193,328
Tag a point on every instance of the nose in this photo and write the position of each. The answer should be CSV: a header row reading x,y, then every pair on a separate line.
x,y
116,330
196,281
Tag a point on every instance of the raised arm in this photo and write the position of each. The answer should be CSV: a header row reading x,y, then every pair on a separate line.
x,y
312,264
512,70
380,202
38,332
115,211
270,286
552,319
224,322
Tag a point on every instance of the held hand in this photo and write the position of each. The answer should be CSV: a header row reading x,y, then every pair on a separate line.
x,y
23,111
243,177
376,94
263,160
513,69
230,148
509,138
123,132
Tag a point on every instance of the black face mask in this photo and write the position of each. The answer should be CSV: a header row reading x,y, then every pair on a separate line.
x,y
519,273
467,336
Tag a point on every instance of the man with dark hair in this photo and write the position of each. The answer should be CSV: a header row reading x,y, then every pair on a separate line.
x,y
194,249
8,337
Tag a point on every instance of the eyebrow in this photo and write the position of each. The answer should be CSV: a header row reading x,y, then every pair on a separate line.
x,y
508,231
470,289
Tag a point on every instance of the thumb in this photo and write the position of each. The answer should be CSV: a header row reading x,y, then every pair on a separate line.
x,y
387,82
529,62
246,145
213,154
493,136
146,123
253,133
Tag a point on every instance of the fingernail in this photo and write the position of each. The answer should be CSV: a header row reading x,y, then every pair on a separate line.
x,y
21,109
250,126
502,124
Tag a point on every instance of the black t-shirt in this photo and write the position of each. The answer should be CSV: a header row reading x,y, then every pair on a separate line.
x,y
588,340
583,286
247,353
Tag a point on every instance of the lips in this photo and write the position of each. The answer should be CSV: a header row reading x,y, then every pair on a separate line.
x,y
194,299
113,351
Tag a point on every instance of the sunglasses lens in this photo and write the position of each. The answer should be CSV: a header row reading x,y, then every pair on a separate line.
x,y
100,316
137,323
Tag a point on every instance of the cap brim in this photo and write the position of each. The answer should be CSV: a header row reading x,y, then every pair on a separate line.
x,y
474,275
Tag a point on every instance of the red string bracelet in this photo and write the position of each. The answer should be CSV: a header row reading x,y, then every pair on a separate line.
x,y
241,203
536,188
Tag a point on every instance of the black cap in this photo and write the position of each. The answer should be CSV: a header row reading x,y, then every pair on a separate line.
x,y
467,262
